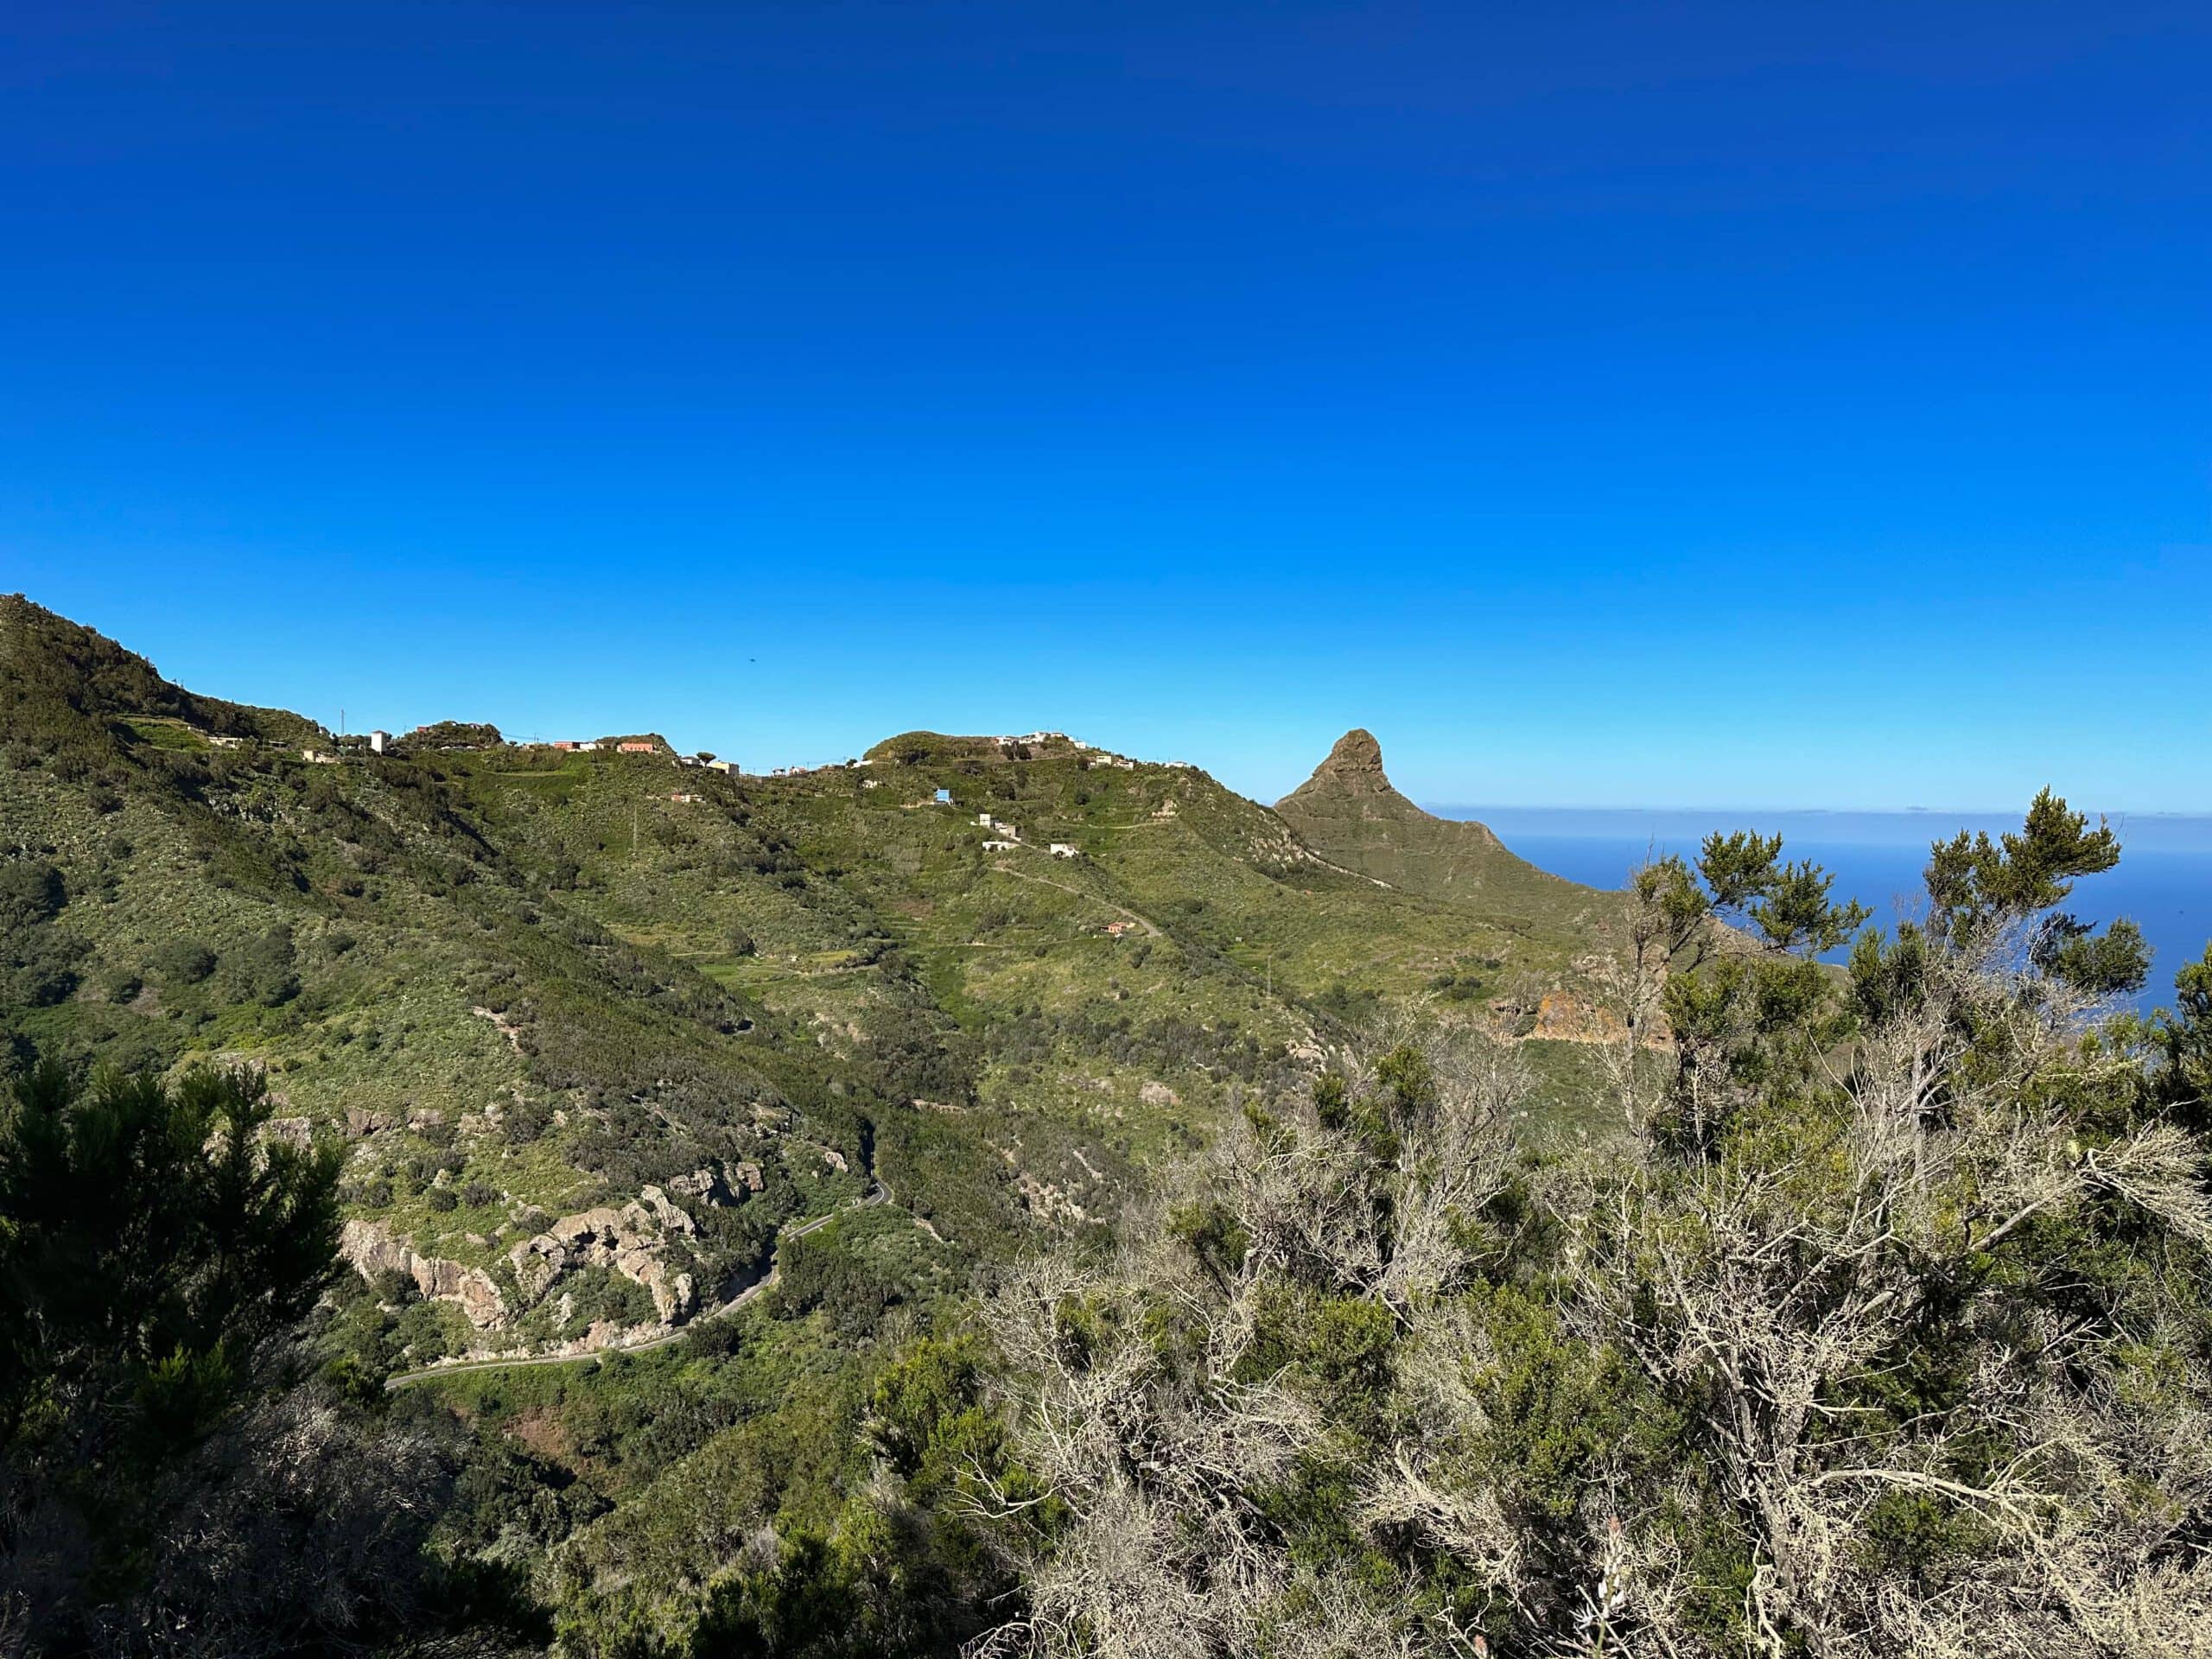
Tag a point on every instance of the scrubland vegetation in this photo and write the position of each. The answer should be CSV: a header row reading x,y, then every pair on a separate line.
x,y
1446,1260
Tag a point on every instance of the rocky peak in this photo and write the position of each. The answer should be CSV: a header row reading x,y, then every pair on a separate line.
x,y
1350,814
1357,754
1354,767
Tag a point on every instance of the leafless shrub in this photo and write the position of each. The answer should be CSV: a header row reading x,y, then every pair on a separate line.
x,y
1855,1296
1139,1413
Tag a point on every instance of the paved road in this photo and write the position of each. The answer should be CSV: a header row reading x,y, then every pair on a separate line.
x,y
877,1193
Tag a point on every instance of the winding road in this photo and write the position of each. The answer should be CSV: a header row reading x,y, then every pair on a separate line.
x,y
877,1193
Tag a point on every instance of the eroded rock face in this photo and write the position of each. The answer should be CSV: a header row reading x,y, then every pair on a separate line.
x,y
1563,1017
369,1249
707,1186
1353,770
670,1218
719,1185
632,1240
1356,754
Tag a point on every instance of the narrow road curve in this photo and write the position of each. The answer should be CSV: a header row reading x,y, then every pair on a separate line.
x,y
877,1193
1144,922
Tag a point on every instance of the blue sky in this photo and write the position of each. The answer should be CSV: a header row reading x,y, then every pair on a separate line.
x,y
1799,405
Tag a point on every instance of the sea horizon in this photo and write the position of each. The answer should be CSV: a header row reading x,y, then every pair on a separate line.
x,y
2139,830
2162,882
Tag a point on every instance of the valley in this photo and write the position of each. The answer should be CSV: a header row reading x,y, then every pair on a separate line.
x,y
594,1025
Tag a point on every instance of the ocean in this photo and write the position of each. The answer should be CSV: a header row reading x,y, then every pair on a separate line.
x,y
2162,884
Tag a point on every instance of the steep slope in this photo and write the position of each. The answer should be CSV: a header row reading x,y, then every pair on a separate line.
x,y
595,1025
1349,812
515,1083
1191,941
55,674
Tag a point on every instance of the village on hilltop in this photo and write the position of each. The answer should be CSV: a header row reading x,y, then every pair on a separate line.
x,y
464,736
471,736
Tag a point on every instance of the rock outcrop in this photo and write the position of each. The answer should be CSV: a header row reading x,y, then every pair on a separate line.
x,y
1356,755
1351,783
371,1249
629,1240
647,1240
709,1187
1349,812
650,1240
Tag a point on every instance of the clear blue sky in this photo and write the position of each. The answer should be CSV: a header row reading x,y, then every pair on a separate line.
x,y
1772,404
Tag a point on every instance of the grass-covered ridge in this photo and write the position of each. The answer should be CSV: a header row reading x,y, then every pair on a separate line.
x,y
522,984
1002,1191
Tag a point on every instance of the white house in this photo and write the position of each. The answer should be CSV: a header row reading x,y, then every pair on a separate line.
x,y
1066,849
377,740
996,845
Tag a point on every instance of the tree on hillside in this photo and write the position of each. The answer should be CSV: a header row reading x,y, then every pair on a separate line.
x,y
169,1481
38,958
150,1239
1887,1329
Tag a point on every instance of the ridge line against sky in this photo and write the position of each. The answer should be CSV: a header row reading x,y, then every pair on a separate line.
x,y
1610,404
220,681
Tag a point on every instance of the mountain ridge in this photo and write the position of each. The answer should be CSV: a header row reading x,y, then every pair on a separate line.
x,y
1350,813
531,989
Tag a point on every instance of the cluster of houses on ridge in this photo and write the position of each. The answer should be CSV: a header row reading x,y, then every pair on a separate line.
x,y
443,739
1099,756
448,736
641,746
376,743
1005,838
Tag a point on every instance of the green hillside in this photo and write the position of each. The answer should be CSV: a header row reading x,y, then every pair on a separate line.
x,y
693,1136
529,985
